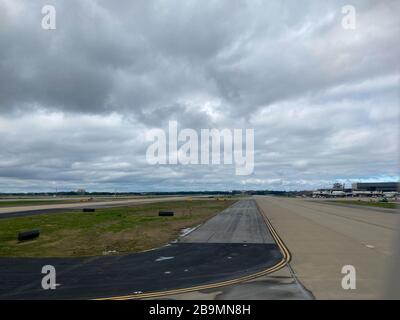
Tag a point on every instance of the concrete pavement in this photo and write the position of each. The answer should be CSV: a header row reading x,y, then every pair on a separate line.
x,y
322,238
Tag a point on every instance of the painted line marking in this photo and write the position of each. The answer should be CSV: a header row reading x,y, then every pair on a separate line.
x,y
163,258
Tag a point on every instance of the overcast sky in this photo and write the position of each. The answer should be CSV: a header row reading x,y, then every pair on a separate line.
x,y
76,102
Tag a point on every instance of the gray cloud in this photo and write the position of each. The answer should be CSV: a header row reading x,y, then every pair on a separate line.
x,y
76,102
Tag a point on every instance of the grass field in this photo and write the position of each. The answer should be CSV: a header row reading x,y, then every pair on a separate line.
x,y
123,229
388,205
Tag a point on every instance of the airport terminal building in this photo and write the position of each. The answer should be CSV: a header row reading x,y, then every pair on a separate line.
x,y
376,186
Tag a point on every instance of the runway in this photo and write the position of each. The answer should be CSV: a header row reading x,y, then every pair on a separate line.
x,y
232,245
323,237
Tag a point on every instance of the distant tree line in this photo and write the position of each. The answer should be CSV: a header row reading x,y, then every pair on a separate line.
x,y
233,192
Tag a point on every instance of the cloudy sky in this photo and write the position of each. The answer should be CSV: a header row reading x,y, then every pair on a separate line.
x,y
76,102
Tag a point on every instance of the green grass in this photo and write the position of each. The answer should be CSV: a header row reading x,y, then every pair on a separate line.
x,y
388,205
124,229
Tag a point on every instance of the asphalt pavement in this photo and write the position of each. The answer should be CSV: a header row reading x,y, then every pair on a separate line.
x,y
175,266
240,223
